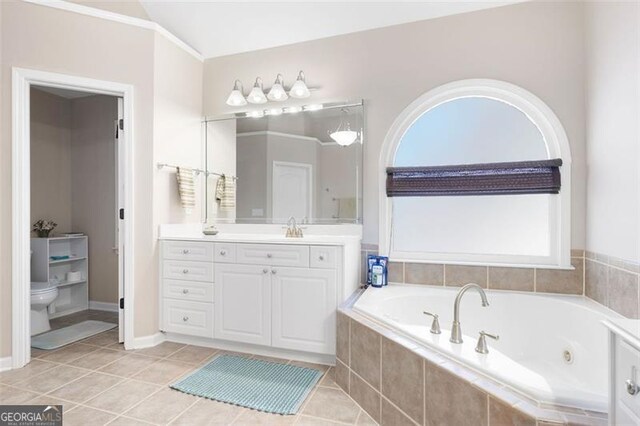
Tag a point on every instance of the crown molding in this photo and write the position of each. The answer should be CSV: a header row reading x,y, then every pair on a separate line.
x,y
285,135
116,17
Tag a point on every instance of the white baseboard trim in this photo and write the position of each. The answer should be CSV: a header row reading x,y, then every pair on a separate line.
x,y
146,341
6,363
251,349
103,306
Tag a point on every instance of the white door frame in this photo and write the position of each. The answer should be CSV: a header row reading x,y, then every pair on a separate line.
x,y
22,80
307,166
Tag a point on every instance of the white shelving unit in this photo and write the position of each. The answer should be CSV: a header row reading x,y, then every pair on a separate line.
x,y
73,296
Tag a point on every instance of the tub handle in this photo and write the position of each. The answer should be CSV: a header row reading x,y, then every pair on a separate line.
x,y
482,347
435,325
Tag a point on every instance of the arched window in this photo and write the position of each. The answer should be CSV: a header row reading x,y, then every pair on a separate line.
x,y
476,172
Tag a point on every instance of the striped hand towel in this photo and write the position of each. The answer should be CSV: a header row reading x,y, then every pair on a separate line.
x,y
226,193
186,188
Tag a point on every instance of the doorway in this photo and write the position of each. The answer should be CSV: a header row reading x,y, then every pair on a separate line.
x,y
100,177
292,190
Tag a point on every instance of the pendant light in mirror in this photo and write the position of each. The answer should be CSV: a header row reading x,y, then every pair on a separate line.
x,y
277,92
236,98
343,135
299,90
256,96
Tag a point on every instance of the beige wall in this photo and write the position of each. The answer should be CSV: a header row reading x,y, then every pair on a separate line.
x,y
48,39
93,185
51,159
613,153
538,46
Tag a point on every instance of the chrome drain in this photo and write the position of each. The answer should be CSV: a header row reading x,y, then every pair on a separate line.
x,y
568,356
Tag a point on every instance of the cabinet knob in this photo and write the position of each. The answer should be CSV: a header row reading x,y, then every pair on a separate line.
x,y
269,255
274,271
185,251
223,252
265,270
185,291
321,257
185,271
632,386
185,319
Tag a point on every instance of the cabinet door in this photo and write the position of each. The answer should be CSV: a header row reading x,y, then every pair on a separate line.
x,y
304,306
243,303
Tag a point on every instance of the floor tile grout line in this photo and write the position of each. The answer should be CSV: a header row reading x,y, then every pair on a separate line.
x,y
184,411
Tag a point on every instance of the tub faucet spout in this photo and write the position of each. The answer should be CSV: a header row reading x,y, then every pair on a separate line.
x,y
456,332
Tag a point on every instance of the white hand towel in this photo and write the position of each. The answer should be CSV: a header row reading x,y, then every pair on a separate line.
x,y
186,188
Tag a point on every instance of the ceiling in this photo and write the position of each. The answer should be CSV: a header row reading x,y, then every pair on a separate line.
x,y
218,28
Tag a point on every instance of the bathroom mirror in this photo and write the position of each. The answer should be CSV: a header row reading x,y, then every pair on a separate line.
x,y
286,162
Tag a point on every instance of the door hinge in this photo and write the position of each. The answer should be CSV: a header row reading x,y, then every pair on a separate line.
x,y
121,124
121,214
122,303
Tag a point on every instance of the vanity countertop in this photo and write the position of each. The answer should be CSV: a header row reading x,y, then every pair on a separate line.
x,y
268,238
629,329
264,234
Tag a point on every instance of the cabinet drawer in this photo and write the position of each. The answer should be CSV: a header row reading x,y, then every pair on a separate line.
x,y
188,271
188,290
192,318
225,253
323,257
273,254
627,367
188,250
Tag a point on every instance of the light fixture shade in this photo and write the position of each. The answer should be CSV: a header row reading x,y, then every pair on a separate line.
x,y
344,137
299,90
256,96
236,98
277,92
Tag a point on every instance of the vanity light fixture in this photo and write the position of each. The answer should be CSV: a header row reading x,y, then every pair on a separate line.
x,y
299,90
256,96
255,114
293,109
313,107
273,111
236,98
343,135
277,92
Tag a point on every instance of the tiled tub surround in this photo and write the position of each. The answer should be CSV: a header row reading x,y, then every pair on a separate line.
x,y
400,382
612,282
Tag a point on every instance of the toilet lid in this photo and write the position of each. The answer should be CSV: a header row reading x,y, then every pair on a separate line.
x,y
41,287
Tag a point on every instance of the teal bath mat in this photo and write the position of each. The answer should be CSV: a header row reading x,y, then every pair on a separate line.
x,y
252,383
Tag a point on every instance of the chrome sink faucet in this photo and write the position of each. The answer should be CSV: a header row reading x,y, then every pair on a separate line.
x,y
456,332
293,230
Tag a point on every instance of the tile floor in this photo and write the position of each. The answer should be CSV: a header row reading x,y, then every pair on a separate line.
x,y
100,383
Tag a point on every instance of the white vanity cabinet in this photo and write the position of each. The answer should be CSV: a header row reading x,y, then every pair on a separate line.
x,y
304,304
280,295
624,371
243,311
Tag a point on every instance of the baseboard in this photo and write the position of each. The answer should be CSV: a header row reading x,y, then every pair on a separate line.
x,y
251,349
103,306
146,341
5,363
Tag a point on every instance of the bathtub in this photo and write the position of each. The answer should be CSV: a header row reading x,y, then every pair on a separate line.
x,y
552,348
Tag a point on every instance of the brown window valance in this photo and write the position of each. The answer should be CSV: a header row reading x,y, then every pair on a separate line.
x,y
524,177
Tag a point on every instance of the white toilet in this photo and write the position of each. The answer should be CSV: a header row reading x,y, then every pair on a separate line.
x,y
42,295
